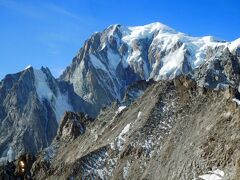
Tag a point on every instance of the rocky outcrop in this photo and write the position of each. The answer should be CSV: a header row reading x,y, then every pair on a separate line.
x,y
72,126
221,70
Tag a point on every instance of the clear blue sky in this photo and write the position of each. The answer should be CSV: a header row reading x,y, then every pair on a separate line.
x,y
49,33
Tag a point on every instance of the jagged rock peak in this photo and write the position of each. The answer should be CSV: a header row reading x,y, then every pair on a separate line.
x,y
31,105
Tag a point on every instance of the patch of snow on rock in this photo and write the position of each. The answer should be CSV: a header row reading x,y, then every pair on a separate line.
x,y
9,158
213,175
125,130
139,114
29,66
3,161
120,109
236,100
42,87
120,139
97,63
10,154
141,32
49,153
114,59
125,170
62,105
148,146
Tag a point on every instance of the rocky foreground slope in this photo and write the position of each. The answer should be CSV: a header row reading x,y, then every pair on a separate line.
x,y
176,130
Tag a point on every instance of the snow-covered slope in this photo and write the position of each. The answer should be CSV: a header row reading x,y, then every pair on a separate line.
x,y
173,47
119,56
234,45
58,101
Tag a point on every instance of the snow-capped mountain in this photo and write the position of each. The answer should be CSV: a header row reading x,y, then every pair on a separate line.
x,y
115,58
112,65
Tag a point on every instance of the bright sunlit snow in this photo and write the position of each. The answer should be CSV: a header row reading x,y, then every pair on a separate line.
x,y
120,109
165,39
234,44
174,52
120,139
29,66
236,100
213,175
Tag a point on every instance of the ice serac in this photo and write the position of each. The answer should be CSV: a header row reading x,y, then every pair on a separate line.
x,y
117,57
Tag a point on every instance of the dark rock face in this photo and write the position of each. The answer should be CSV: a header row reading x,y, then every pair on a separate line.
x,y
22,118
136,90
94,74
106,82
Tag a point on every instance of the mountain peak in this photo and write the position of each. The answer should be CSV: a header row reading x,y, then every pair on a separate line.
x,y
131,33
29,66
156,26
